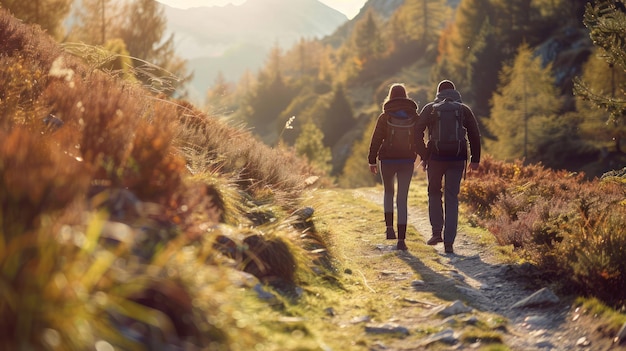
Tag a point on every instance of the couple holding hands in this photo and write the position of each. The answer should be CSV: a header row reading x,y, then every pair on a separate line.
x,y
398,139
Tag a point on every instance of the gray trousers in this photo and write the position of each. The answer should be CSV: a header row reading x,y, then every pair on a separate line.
x,y
444,178
403,172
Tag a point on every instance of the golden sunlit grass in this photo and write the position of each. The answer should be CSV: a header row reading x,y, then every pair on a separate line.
x,y
130,219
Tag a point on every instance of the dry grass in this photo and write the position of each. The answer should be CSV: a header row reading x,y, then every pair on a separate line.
x,y
569,226
115,205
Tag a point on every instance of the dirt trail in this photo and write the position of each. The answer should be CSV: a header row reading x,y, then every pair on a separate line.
x,y
484,284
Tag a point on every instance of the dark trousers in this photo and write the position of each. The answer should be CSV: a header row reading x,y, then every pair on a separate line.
x,y
444,178
403,172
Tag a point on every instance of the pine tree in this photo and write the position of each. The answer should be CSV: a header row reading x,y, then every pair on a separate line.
x,y
143,32
468,21
605,80
96,21
339,117
420,20
219,96
274,63
467,42
367,41
310,145
266,102
524,109
142,29
326,69
606,21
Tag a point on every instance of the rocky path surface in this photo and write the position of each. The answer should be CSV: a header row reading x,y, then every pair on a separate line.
x,y
536,319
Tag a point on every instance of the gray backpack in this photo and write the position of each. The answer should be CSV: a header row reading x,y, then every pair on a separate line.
x,y
448,136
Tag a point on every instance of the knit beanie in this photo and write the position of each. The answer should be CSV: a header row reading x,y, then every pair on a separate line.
x,y
445,85
397,91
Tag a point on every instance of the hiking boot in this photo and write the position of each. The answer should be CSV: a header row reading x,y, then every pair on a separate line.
x,y
391,235
448,248
434,240
401,245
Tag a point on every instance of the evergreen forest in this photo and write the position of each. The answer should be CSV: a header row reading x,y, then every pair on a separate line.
x,y
538,74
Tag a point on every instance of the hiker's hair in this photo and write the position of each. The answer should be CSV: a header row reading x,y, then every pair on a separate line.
x,y
396,91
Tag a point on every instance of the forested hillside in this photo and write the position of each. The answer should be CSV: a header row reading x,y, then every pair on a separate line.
x,y
515,62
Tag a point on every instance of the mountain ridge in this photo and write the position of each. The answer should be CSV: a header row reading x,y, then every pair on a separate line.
x,y
232,38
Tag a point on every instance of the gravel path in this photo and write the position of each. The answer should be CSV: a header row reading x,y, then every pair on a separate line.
x,y
493,287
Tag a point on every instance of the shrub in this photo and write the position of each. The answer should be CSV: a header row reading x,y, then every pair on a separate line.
x,y
570,227
36,178
181,171
21,86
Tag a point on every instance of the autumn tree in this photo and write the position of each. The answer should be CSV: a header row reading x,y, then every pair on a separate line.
x,y
141,25
96,19
419,21
523,114
326,65
469,53
454,46
156,62
219,97
606,21
303,58
367,43
49,14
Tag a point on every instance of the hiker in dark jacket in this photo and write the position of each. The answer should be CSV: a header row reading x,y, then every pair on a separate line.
x,y
396,159
445,172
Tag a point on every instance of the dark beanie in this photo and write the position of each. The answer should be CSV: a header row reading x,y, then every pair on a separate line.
x,y
445,85
397,91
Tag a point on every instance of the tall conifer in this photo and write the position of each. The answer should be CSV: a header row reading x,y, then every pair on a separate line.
x,y
524,108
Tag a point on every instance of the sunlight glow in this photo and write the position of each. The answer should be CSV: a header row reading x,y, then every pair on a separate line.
x,y
348,7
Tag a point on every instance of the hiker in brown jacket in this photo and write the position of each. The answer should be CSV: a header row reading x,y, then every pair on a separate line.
x,y
445,169
393,145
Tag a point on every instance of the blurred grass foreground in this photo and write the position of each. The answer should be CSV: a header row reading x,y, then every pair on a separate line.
x,y
132,221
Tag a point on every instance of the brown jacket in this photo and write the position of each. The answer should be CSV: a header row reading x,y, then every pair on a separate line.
x,y
403,107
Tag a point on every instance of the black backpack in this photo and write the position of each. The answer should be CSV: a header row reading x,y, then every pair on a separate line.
x,y
448,135
400,139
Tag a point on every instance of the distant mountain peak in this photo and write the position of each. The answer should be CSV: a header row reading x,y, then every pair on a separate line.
x,y
206,35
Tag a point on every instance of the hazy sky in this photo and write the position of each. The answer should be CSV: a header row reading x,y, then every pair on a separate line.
x,y
349,7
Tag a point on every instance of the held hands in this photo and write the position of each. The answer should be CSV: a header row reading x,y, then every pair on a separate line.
x,y
472,167
424,165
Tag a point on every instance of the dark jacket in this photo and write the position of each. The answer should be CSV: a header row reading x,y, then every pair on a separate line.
x,y
427,119
400,108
